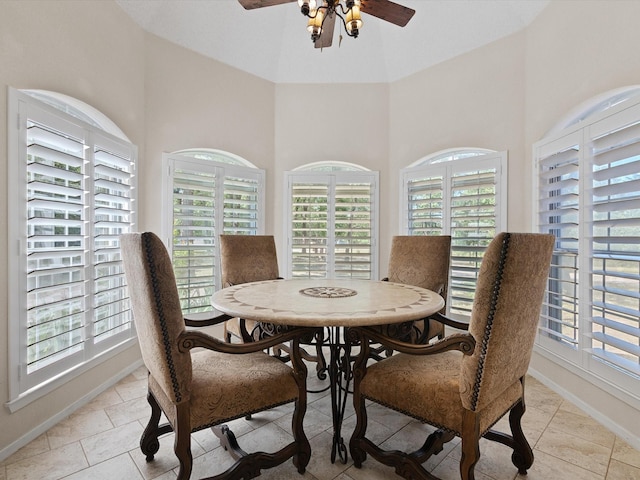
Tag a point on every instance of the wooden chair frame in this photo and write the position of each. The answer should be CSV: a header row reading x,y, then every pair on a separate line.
x,y
496,352
248,465
409,465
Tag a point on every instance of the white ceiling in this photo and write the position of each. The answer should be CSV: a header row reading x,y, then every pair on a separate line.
x,y
273,42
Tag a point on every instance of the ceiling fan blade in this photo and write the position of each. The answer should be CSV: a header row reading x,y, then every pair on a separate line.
x,y
326,37
389,11
251,4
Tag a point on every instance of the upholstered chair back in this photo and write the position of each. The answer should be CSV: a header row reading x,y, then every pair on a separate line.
x,y
506,308
422,261
157,313
247,258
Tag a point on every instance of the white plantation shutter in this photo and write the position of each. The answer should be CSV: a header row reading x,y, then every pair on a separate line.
x,y
207,198
353,228
242,197
71,196
589,197
425,199
112,216
311,230
558,208
193,233
331,227
460,197
615,241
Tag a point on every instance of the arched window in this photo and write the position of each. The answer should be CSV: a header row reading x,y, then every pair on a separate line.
x,y
588,196
207,192
459,192
332,221
71,194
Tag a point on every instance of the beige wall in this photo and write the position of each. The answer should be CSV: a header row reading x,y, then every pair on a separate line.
x,y
314,123
474,100
194,102
503,96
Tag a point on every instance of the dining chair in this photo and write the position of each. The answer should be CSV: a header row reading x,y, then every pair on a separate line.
x,y
466,382
198,381
244,259
253,258
421,261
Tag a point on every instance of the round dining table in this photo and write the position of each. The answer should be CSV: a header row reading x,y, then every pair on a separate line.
x,y
333,303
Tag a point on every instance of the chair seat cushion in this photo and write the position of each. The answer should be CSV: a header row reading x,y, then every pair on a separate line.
x,y
233,327
226,386
427,388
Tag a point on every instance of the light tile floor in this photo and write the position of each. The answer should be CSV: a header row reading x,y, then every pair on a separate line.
x,y
100,442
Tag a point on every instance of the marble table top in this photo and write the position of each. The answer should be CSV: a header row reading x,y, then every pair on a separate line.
x,y
322,302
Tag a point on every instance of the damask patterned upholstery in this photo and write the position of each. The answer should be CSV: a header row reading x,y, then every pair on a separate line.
x,y
244,259
465,392
423,261
203,387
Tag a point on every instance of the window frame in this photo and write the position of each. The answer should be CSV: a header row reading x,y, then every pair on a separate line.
x,y
220,165
448,163
331,174
24,107
603,122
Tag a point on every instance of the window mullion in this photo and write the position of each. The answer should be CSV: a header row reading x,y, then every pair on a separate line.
x,y
331,228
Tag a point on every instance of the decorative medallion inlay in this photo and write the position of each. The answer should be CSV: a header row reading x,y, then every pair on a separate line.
x,y
328,292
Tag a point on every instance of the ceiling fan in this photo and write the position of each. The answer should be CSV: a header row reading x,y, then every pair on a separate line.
x,y
322,15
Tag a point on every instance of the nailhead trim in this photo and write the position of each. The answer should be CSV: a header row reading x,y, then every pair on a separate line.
x,y
146,239
492,311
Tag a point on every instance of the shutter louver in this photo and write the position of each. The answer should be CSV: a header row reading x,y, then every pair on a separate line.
x,y
353,231
558,207
615,262
472,226
241,197
194,228
309,229
425,205
56,218
113,214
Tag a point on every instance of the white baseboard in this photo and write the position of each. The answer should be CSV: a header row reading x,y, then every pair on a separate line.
x,y
631,438
50,422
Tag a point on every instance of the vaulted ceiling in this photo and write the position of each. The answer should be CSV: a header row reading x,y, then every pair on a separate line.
x,y
273,42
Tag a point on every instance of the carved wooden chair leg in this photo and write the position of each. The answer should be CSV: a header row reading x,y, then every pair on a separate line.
x,y
303,455
149,443
470,445
358,437
522,456
182,442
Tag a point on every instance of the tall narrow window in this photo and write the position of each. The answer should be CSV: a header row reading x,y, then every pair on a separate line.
x,y
459,193
589,198
208,192
72,193
332,222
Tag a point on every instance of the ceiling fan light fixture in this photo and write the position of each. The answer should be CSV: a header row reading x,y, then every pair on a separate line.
x,y
323,14
306,6
314,26
353,20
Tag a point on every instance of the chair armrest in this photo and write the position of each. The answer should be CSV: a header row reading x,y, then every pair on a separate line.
x,y
438,317
463,342
192,339
205,322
